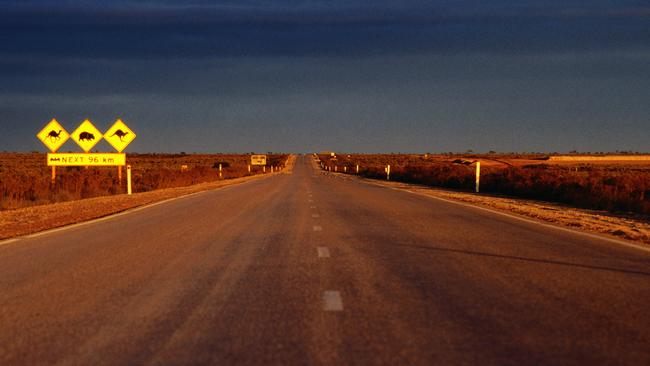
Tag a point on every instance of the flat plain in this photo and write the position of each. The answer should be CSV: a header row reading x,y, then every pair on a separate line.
x,y
618,184
25,179
325,269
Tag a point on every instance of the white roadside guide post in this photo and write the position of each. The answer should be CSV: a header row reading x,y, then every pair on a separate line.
x,y
345,169
128,180
388,172
249,168
357,168
220,175
478,175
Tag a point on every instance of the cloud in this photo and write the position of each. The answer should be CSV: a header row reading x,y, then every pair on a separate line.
x,y
408,75
137,30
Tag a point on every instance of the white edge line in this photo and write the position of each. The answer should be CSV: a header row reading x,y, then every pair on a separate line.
x,y
116,215
531,221
8,241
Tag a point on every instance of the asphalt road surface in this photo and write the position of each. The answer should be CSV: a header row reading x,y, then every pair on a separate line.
x,y
315,268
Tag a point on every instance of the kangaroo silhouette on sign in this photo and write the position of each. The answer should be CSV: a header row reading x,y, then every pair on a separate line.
x,y
54,136
86,136
120,134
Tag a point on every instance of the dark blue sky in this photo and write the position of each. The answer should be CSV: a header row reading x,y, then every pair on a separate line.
x,y
374,76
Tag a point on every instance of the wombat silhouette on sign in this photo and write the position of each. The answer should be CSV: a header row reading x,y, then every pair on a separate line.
x,y
120,134
86,136
54,136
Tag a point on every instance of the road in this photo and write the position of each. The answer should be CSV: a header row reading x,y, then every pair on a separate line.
x,y
316,268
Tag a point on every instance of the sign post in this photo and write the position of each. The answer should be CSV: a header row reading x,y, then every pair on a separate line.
x,y
87,136
258,160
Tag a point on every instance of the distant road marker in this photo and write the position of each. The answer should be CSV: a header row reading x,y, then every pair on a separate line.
x,y
318,228
332,301
312,207
323,252
315,215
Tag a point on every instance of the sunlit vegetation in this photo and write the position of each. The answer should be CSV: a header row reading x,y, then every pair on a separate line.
x,y
25,180
612,186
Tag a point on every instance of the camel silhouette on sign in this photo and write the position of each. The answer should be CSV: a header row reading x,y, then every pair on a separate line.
x,y
54,136
120,134
86,136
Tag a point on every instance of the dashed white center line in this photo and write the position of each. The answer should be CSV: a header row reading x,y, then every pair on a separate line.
x,y
310,201
315,215
313,207
318,228
323,252
332,301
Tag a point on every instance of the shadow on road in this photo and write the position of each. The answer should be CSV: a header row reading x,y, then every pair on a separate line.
x,y
529,260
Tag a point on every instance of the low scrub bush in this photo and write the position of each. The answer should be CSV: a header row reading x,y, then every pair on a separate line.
x,y
25,178
613,187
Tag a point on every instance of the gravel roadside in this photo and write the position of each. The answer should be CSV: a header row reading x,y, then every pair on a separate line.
x,y
29,220
634,228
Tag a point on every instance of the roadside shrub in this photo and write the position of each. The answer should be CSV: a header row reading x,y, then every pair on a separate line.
x,y
25,178
606,187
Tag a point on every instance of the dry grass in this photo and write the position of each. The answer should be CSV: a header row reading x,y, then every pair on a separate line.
x,y
25,178
33,219
630,227
634,228
615,186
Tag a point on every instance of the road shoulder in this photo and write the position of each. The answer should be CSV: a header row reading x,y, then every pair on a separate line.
x,y
630,228
31,220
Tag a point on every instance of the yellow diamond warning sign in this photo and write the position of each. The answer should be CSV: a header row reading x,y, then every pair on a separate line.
x,y
86,135
119,135
53,135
